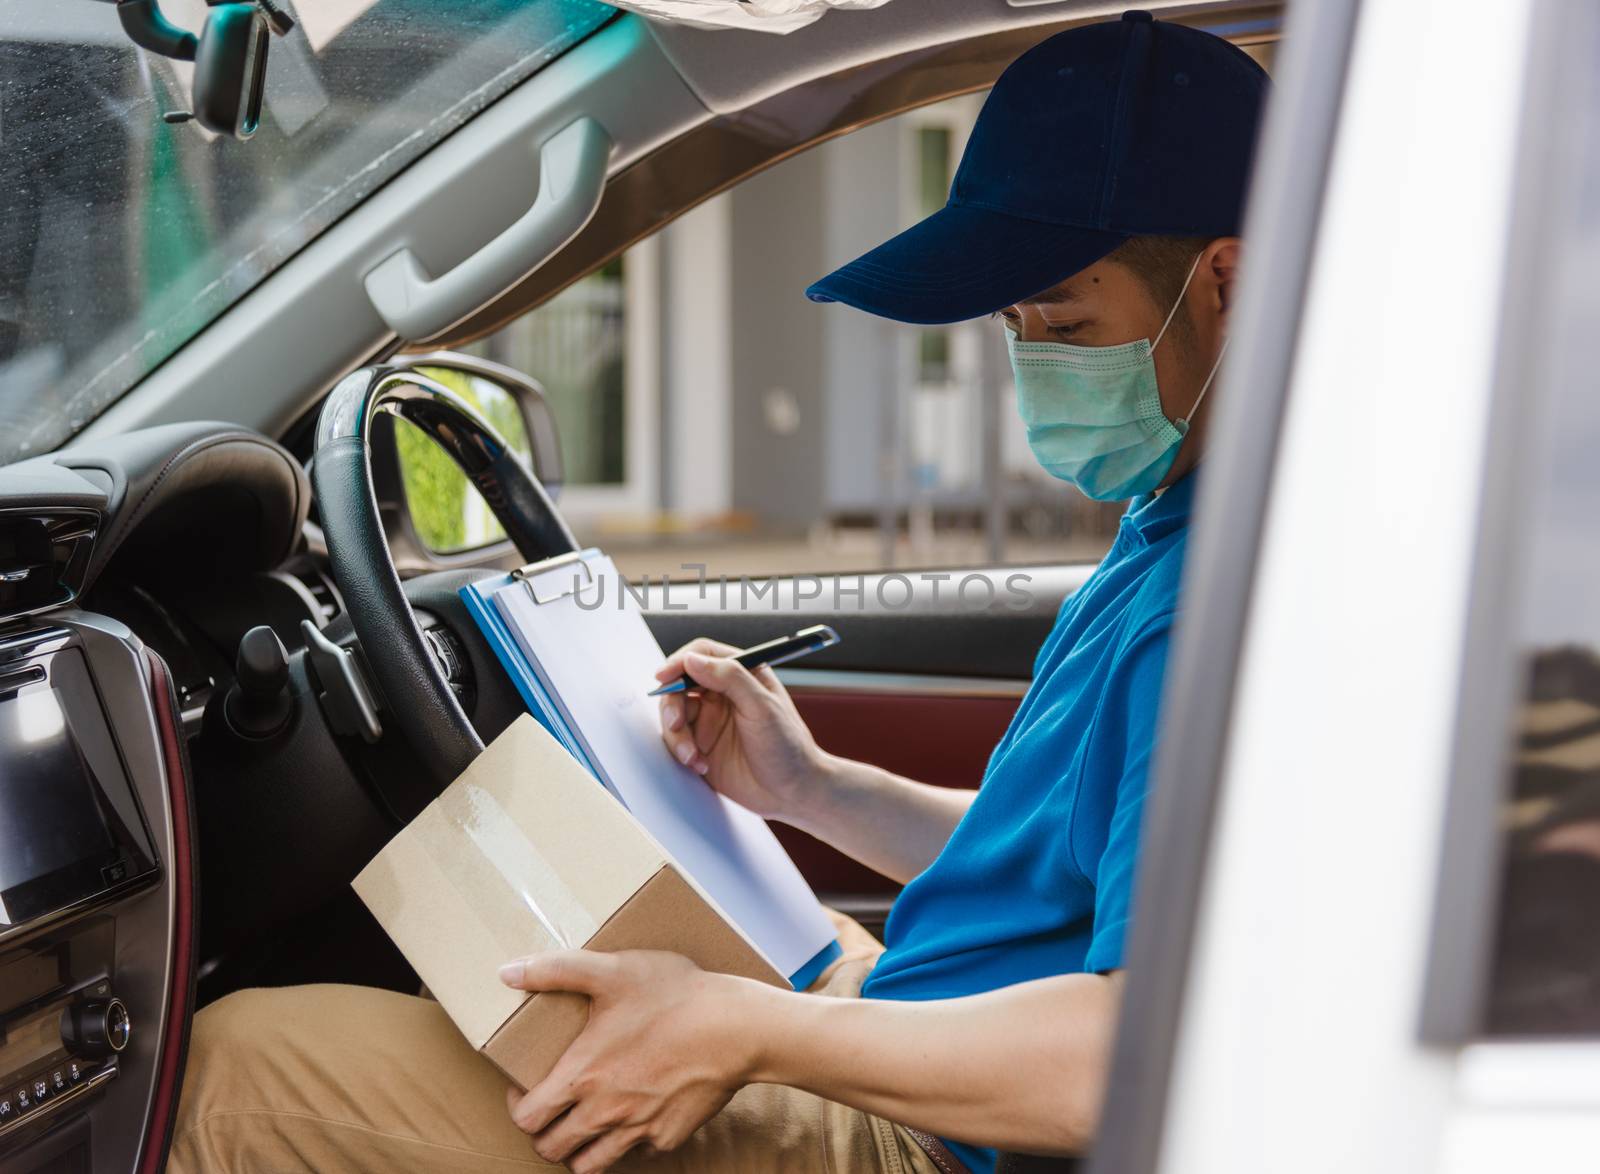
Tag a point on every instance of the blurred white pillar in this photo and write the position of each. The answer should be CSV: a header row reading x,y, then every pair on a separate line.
x,y
697,300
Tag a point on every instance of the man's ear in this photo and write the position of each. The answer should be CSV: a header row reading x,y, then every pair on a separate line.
x,y
1221,262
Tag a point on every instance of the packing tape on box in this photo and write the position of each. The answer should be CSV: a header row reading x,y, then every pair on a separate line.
x,y
513,858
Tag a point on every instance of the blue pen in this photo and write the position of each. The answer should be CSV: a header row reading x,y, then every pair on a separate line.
x,y
774,652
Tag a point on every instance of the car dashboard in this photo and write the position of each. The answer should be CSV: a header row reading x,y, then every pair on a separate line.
x,y
124,569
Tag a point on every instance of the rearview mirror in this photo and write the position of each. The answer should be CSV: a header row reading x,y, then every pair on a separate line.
x,y
230,70
229,55
446,514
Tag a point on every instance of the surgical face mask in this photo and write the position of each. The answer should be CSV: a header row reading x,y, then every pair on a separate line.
x,y
1094,415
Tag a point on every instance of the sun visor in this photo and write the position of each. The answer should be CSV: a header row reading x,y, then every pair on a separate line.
x,y
768,16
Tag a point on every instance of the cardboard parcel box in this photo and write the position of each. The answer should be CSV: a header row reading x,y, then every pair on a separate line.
x,y
527,851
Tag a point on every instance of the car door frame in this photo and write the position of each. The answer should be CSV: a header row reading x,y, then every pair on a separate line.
x,y
1312,719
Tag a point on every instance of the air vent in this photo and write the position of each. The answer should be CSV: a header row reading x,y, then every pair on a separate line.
x,y
44,555
329,603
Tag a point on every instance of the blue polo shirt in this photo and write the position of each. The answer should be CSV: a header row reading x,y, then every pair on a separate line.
x,y
1037,878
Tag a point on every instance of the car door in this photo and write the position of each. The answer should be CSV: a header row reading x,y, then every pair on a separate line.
x,y
1366,933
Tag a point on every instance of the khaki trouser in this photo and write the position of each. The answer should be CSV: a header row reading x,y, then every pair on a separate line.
x,y
351,1079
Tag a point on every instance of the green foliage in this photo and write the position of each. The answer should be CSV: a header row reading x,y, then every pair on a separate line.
x,y
441,499
436,490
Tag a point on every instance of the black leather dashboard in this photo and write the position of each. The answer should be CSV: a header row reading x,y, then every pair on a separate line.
x,y
210,490
200,498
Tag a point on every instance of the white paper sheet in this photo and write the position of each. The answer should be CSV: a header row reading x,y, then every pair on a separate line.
x,y
597,662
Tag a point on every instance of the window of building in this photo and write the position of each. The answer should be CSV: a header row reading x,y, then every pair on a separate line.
x,y
576,344
934,166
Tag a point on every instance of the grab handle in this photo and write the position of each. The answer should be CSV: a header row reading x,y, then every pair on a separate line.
x,y
572,174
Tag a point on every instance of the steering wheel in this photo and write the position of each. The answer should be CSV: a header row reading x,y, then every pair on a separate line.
x,y
341,474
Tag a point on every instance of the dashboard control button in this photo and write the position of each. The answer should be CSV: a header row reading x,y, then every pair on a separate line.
x,y
58,1080
117,1026
96,1028
41,1089
74,1071
24,1099
7,1110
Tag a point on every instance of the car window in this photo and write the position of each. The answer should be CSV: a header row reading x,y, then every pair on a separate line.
x,y
121,236
710,414
1545,957
712,417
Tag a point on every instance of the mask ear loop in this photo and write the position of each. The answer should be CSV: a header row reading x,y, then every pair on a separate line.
x,y
1205,387
1172,313
1160,334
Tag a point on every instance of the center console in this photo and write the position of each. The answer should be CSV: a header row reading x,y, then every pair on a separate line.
x,y
90,966
62,1027
73,840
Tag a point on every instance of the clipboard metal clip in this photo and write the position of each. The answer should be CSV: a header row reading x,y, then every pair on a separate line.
x,y
527,574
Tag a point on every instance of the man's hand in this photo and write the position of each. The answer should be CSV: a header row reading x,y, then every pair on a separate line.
x,y
742,732
666,1046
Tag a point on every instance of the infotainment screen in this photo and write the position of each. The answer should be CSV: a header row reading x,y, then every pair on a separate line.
x,y
69,828
45,788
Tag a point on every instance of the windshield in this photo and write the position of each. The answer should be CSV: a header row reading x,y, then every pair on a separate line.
x,y
122,236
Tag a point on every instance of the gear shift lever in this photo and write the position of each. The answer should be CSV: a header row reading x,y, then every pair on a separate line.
x,y
258,705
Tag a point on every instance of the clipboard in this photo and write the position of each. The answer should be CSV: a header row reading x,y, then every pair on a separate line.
x,y
477,597
576,646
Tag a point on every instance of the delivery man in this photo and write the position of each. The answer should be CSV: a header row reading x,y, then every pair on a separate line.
x,y
1096,213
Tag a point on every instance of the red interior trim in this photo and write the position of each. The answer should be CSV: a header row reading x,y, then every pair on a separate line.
x,y
934,738
181,875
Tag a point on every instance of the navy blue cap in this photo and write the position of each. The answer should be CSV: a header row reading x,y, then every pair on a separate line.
x,y
1111,130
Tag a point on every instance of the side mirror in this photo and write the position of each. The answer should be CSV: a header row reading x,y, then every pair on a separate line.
x,y
444,515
